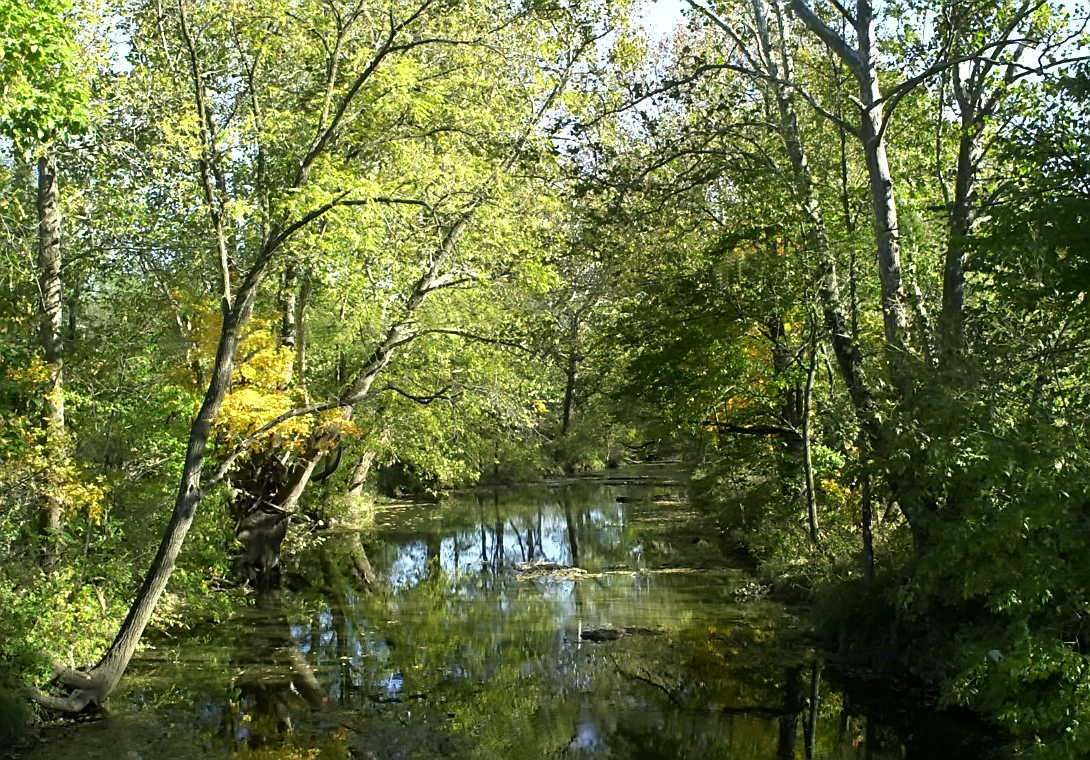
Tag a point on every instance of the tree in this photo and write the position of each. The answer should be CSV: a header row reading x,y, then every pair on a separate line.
x,y
319,146
43,100
862,60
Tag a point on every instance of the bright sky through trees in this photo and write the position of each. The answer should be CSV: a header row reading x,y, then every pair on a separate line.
x,y
661,17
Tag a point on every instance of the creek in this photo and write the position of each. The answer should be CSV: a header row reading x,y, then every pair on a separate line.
x,y
597,617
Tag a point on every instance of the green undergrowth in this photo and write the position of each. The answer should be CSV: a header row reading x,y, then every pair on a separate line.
x,y
13,719
72,612
767,520
993,612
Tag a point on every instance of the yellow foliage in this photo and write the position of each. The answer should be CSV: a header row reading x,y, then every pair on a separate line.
x,y
262,391
835,489
248,407
269,367
40,462
77,492
735,404
757,353
36,373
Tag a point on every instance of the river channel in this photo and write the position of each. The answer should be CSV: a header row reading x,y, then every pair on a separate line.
x,y
589,618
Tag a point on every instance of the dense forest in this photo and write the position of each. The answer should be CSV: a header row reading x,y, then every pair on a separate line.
x,y
265,261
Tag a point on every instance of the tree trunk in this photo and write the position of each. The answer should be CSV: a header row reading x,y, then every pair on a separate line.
x,y
791,403
887,236
977,95
365,574
50,510
812,711
358,478
288,327
862,62
301,330
358,565
571,386
887,232
960,226
808,465
49,286
73,313
868,537
269,485
569,394
789,721
573,529
94,687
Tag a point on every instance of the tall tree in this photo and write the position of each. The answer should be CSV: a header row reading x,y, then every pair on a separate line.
x,y
862,59
377,97
43,101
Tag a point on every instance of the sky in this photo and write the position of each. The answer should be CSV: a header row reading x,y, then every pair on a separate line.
x,y
661,17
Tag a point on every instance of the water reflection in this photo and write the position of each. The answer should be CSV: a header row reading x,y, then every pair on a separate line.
x,y
578,620
273,681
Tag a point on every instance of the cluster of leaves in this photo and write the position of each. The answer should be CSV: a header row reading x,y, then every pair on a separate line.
x,y
40,96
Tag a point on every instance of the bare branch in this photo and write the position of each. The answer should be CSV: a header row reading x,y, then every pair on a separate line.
x,y
207,159
727,29
475,337
424,400
844,12
776,430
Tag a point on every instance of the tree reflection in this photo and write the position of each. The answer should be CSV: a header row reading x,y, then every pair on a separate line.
x,y
788,723
465,656
573,530
274,683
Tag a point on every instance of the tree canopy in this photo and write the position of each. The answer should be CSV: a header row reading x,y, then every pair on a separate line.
x,y
835,256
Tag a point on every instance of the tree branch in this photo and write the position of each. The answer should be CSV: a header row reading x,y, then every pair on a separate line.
x,y
479,338
424,400
776,430
838,44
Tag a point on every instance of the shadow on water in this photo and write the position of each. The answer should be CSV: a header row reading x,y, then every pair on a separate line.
x,y
577,619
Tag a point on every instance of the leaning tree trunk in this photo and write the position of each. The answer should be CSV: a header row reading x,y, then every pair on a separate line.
x,y
93,687
357,480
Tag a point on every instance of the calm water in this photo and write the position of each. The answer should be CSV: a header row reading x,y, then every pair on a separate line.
x,y
588,619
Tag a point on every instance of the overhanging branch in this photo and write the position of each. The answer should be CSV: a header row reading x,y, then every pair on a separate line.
x,y
424,400
475,337
775,430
